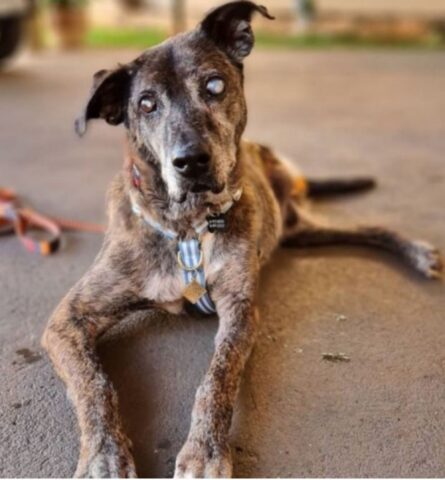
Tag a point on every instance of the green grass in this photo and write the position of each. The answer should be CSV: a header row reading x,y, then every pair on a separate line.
x,y
124,37
325,41
103,37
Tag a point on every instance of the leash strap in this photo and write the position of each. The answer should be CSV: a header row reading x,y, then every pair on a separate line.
x,y
14,217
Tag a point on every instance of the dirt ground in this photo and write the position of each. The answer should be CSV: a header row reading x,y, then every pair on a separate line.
x,y
381,414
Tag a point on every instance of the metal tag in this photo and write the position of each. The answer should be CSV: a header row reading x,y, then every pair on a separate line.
x,y
193,292
216,223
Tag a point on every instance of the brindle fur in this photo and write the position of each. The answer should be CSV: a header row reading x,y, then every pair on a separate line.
x,y
137,269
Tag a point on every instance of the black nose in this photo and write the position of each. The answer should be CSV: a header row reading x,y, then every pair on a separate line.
x,y
192,164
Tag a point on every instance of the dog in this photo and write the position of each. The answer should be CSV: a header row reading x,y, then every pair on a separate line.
x,y
193,216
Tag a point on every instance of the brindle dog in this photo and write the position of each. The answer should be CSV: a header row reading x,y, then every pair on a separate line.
x,y
183,107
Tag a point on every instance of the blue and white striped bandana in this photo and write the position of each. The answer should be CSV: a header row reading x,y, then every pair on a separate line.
x,y
191,257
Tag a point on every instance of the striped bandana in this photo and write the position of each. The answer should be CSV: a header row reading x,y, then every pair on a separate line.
x,y
190,260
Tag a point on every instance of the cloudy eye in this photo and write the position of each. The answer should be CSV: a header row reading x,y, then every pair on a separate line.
x,y
147,104
215,86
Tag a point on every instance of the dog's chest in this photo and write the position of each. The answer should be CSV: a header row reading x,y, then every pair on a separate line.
x,y
164,283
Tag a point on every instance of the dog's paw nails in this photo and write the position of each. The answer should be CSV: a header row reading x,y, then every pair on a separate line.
x,y
106,465
200,460
427,259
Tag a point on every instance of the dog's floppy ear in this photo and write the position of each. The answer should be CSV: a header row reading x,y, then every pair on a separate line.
x,y
108,98
229,27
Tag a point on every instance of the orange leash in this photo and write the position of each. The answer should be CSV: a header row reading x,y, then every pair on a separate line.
x,y
16,218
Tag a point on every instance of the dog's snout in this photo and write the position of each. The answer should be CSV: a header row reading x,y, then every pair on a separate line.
x,y
192,163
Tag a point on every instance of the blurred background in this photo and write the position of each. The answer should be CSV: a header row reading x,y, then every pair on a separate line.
x,y
139,23
343,88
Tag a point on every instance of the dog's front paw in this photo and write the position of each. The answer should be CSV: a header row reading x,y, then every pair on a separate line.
x,y
105,465
201,459
108,461
427,259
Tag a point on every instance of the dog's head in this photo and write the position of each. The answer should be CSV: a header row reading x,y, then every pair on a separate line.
x,y
182,101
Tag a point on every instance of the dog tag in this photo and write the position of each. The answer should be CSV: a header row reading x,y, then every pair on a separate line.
x,y
216,223
193,292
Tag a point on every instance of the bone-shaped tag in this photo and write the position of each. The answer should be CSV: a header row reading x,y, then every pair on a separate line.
x,y
216,223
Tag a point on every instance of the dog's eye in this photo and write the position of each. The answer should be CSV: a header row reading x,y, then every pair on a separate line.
x,y
215,86
147,104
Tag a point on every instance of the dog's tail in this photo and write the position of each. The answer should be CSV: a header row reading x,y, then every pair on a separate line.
x,y
338,186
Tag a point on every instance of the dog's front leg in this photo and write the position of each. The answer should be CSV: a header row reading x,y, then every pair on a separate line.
x,y
206,452
70,340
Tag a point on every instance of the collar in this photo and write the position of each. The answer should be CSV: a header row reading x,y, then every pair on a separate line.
x,y
213,221
210,224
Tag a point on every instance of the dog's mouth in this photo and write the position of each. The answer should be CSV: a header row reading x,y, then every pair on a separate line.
x,y
202,189
206,187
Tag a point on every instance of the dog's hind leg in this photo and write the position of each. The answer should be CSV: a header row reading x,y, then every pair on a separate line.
x,y
96,303
419,254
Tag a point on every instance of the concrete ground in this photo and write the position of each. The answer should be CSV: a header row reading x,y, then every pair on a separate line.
x,y
381,414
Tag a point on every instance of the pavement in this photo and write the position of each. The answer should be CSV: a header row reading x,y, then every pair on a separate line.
x,y
382,414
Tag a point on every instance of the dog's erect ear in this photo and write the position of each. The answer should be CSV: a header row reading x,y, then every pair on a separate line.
x,y
229,27
108,98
